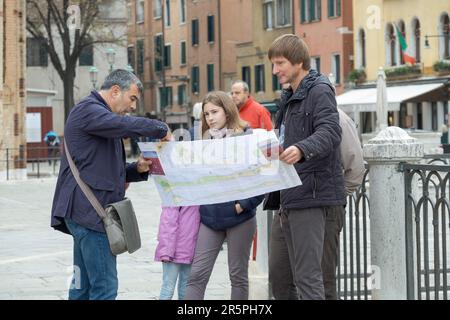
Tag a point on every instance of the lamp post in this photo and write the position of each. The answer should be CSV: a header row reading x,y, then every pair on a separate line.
x,y
93,71
427,42
110,57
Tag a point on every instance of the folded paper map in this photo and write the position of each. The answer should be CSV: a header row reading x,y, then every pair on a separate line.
x,y
214,171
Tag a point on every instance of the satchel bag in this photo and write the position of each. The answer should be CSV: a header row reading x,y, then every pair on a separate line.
x,y
118,218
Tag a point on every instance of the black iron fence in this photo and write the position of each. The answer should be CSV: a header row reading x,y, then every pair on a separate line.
x,y
39,161
427,189
353,268
427,221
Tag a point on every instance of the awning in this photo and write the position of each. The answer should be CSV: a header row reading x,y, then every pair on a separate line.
x,y
364,100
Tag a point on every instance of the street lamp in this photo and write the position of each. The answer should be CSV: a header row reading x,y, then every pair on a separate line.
x,y
93,71
427,42
110,57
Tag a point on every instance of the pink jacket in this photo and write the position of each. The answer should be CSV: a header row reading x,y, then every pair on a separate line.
x,y
177,235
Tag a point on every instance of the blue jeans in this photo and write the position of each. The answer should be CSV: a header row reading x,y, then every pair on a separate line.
x,y
95,271
172,271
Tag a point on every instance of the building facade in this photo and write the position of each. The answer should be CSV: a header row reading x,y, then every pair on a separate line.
x,y
418,89
12,90
216,27
139,46
270,19
157,50
170,63
329,22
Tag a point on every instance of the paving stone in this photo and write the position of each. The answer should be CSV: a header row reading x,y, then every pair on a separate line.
x,y
36,261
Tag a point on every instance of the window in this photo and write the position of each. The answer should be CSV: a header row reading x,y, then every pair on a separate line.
x,y
158,52
246,76
167,14
131,57
195,72
268,15
165,96
167,56
183,53
390,45
157,9
310,10
129,17
210,29
259,78
336,67
362,48
444,41
182,97
416,42
182,11
195,32
87,56
140,56
139,11
210,76
334,8
401,26
37,55
315,63
283,13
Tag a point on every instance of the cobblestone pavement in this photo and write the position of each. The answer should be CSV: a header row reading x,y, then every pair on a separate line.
x,y
36,261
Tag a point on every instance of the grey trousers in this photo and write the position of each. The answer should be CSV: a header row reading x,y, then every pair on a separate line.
x,y
304,231
209,242
280,271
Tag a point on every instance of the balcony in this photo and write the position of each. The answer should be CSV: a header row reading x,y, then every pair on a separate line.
x,y
404,72
442,67
357,76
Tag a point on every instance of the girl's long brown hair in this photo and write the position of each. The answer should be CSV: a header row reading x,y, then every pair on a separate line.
x,y
223,100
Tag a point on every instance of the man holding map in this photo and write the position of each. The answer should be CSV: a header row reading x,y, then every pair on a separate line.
x,y
310,135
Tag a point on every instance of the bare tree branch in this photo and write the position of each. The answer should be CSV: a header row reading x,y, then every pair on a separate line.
x,y
47,21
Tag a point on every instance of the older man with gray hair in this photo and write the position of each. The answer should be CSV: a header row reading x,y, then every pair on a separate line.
x,y
93,134
249,110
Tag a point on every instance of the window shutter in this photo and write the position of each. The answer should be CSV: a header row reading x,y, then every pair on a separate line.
x,y
319,9
303,11
330,8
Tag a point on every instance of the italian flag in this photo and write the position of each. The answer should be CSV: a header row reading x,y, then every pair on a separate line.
x,y
408,56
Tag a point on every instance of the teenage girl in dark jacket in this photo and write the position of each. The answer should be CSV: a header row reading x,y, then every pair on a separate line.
x,y
234,221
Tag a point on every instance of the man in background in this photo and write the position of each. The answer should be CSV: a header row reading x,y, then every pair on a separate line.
x,y
249,110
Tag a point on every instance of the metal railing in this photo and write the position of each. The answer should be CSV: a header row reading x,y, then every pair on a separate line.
x,y
353,278
427,230
39,161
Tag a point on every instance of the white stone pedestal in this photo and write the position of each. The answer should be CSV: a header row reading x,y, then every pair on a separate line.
x,y
387,209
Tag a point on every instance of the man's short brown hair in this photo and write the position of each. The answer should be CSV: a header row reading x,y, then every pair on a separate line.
x,y
292,48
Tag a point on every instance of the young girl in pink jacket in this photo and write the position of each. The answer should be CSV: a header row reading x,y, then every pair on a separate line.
x,y
177,237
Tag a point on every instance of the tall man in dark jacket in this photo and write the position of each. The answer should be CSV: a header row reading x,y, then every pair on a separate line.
x,y
93,134
310,134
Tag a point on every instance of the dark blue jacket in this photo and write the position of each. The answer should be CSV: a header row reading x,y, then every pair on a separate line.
x,y
222,216
312,124
93,134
